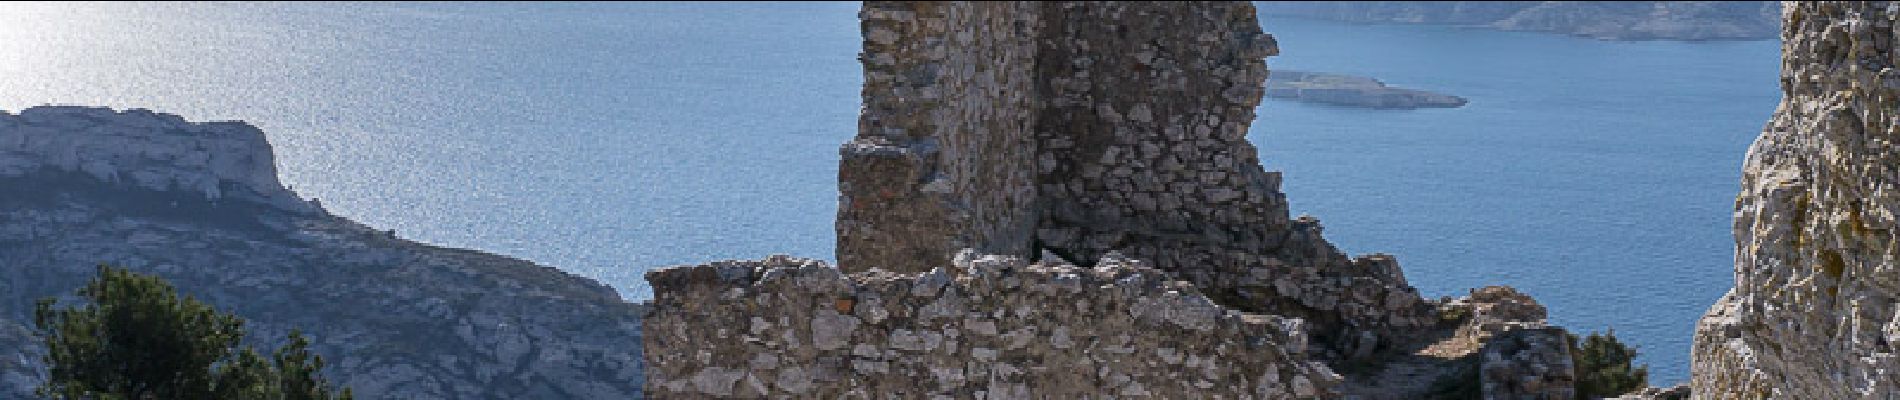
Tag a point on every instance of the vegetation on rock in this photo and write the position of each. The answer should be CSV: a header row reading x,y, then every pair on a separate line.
x,y
137,339
1604,366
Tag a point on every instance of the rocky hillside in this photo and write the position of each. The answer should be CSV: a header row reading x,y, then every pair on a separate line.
x,y
1813,314
199,204
1609,20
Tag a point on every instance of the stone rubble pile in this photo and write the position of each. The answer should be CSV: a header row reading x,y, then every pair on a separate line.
x,y
1528,364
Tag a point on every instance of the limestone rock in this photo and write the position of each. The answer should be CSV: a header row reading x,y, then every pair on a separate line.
x,y
145,150
1678,392
1528,364
1813,314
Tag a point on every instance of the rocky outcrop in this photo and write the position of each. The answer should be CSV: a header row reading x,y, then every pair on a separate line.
x,y
1608,20
1496,342
199,204
980,327
1352,91
1813,314
141,149
1528,364
1678,392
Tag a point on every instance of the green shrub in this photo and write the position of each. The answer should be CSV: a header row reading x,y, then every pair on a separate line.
x,y
1453,314
136,339
1604,366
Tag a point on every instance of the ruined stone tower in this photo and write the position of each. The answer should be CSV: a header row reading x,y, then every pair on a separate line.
x,y
1058,199
1083,128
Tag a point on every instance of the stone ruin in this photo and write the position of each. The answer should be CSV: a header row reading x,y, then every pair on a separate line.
x,y
1083,128
991,327
1058,199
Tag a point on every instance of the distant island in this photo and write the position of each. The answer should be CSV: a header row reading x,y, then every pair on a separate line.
x,y
1352,91
1606,20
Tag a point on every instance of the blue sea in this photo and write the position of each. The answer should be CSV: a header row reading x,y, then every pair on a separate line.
x,y
608,139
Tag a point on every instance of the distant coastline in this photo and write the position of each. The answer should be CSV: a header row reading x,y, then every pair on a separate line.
x,y
1603,20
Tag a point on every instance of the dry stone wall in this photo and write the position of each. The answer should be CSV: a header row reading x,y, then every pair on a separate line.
x,y
993,327
1814,312
939,163
1142,142
1084,128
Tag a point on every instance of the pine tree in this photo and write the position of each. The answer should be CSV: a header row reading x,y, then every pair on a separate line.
x,y
1604,366
297,372
136,339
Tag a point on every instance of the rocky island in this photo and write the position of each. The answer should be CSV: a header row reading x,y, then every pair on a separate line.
x,y
1352,91
1605,20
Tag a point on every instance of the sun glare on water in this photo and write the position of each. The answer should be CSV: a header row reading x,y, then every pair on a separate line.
x,y
16,24
35,36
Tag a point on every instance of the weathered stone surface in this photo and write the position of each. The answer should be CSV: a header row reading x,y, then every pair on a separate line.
x,y
1678,392
1047,330
199,204
1813,314
1110,134
1528,364
1495,309
147,150
939,162
1084,128
1477,335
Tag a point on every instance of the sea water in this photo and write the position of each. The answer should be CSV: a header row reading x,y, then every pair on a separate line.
x,y
609,139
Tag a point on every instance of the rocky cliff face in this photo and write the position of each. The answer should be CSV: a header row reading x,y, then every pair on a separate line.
x,y
200,205
1813,314
1610,20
